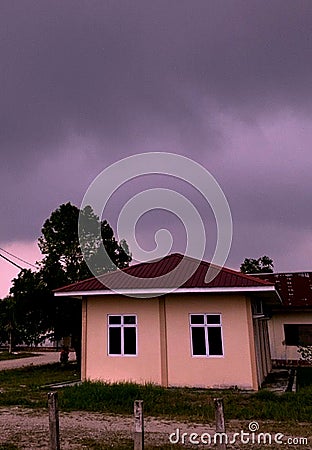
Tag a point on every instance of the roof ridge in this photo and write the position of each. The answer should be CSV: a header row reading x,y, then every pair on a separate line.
x,y
245,275
226,269
285,272
125,269
201,263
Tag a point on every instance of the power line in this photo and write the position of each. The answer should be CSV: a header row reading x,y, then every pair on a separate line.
x,y
16,257
14,264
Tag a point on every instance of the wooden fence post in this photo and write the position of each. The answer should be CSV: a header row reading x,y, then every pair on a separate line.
x,y
139,425
53,421
220,423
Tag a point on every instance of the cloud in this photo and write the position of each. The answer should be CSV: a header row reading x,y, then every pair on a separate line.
x,y
26,250
114,68
85,83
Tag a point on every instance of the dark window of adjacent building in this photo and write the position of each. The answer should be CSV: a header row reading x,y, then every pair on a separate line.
x,y
298,334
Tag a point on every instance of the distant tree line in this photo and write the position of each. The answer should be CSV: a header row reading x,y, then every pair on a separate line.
x,y
264,264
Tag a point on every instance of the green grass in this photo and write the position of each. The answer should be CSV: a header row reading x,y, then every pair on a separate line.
x,y
4,356
266,405
187,404
24,387
118,398
304,377
8,446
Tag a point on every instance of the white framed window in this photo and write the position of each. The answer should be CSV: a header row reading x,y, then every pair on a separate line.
x,y
206,335
122,335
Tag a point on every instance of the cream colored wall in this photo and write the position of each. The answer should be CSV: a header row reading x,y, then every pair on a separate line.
x,y
84,338
235,368
277,337
144,367
168,359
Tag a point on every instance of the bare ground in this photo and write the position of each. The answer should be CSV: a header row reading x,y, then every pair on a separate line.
x,y
29,429
41,358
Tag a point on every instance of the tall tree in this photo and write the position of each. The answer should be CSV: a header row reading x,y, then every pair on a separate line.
x,y
33,306
59,243
8,329
36,309
264,264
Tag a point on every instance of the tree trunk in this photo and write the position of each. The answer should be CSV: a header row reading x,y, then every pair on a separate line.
x,y
10,340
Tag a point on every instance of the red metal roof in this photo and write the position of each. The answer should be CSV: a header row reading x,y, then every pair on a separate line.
x,y
295,288
148,276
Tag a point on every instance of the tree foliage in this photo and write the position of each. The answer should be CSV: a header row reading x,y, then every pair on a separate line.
x,y
31,300
59,243
305,353
7,321
33,305
264,264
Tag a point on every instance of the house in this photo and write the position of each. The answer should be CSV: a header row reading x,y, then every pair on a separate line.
x,y
291,323
161,322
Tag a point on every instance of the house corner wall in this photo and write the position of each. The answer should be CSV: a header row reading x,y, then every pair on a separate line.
x,y
84,336
252,347
163,341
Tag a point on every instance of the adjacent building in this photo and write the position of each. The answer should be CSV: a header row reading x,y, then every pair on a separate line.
x,y
291,322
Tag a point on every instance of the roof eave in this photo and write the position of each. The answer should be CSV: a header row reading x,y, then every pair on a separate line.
x,y
163,291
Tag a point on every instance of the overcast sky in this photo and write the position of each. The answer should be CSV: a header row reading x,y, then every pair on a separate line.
x,y
225,83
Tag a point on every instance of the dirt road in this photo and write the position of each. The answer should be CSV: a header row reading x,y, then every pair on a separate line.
x,y
29,429
43,358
